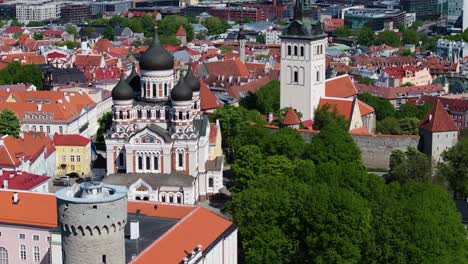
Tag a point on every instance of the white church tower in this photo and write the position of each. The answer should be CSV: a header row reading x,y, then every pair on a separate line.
x,y
303,45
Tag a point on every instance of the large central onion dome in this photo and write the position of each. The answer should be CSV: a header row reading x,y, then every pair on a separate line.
x,y
192,81
181,92
122,91
156,58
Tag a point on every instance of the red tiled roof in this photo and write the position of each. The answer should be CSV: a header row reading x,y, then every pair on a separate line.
x,y
360,131
103,45
227,68
438,120
181,32
364,108
400,92
199,227
32,209
400,71
27,148
88,60
159,210
208,100
341,87
13,30
21,180
291,118
344,106
250,87
53,33
70,140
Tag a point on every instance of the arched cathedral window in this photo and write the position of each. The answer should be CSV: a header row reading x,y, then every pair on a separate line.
x,y
302,51
289,50
165,89
148,114
180,116
295,50
154,90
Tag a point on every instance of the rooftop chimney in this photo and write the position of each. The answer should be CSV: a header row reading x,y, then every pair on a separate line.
x,y
39,107
5,184
15,198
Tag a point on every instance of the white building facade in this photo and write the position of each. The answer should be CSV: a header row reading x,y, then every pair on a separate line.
x,y
38,10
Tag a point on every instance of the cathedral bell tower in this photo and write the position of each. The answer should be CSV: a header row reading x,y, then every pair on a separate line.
x,y
303,46
182,107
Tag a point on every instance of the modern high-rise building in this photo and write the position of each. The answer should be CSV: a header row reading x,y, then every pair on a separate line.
x,y
454,10
426,9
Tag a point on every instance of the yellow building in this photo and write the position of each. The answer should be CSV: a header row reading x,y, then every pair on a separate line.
x,y
73,154
215,141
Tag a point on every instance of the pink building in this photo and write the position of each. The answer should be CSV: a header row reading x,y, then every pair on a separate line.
x,y
26,221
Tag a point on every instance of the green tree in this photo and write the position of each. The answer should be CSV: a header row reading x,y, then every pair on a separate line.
x,y
265,100
407,84
409,125
366,37
383,108
365,80
333,144
105,123
389,38
68,44
327,115
343,32
407,52
454,168
172,40
389,125
15,23
261,39
216,25
35,24
9,123
169,25
109,33
71,29
17,73
409,165
410,36
246,167
416,24
286,141
38,36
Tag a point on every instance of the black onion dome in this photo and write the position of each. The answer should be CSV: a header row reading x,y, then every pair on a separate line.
x,y
156,58
134,81
122,91
181,92
192,81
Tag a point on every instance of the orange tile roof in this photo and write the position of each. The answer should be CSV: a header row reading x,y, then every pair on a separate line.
x,y
341,86
199,227
27,148
88,60
33,209
364,108
291,118
344,106
103,45
227,68
207,99
438,120
181,32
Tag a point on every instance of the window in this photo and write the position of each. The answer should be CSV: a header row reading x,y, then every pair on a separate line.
x,y
158,114
210,182
163,198
3,255
318,76
121,159
321,49
72,167
302,51
48,129
289,50
64,158
78,158
179,199
148,165
188,115
22,252
60,130
171,198
37,255
156,163
154,90
22,236
165,89
36,238
180,116
104,259
296,76
139,114
180,160
148,114
295,50
72,158
41,129
33,128
121,115
140,162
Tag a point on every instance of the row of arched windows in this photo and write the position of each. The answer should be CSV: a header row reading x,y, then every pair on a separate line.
x,y
299,49
171,198
151,90
148,162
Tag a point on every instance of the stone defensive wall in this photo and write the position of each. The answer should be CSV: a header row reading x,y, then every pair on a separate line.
x,y
375,148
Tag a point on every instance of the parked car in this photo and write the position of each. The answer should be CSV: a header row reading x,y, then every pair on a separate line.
x,y
61,181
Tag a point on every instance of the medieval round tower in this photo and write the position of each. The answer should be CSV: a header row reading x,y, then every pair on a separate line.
x,y
92,218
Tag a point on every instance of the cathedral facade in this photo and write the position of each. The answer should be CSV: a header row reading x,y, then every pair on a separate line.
x,y
159,142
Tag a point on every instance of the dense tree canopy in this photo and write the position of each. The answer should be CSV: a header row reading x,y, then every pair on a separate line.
x,y
383,108
216,25
105,123
328,114
17,73
9,123
169,25
265,100
409,165
388,37
365,37
455,168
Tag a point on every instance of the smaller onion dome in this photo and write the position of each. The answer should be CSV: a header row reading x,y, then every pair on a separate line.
x,y
192,81
134,81
181,92
122,91
156,58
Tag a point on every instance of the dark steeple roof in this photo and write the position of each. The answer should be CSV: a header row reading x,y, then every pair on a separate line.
x,y
156,58
303,26
122,91
192,81
181,92
134,81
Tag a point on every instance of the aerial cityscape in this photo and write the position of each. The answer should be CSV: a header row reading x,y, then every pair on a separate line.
x,y
233,131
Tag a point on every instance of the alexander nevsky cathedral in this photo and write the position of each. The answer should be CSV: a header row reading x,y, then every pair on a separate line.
x,y
161,145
